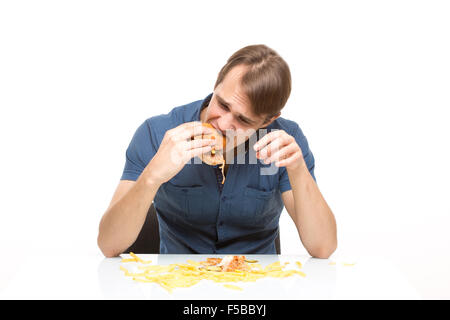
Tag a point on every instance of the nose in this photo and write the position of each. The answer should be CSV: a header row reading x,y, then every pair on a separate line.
x,y
225,122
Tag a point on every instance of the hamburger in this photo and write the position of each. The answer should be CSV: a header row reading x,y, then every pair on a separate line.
x,y
215,156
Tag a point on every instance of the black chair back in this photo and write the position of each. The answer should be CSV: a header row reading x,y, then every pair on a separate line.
x,y
148,238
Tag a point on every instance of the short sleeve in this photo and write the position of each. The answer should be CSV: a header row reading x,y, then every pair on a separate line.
x,y
139,152
284,184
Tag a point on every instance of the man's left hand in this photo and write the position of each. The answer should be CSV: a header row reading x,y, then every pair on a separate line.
x,y
281,148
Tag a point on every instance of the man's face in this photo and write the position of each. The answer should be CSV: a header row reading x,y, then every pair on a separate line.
x,y
229,110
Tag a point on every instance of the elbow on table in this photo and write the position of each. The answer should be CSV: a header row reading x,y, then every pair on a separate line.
x,y
110,254
323,252
107,252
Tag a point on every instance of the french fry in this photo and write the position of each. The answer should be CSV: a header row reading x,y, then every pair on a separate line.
x,y
139,259
230,286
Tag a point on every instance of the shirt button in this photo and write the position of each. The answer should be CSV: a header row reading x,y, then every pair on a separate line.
x,y
220,223
224,198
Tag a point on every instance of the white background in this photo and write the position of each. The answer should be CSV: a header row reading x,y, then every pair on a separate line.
x,y
371,84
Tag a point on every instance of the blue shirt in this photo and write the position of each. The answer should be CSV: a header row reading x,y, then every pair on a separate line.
x,y
196,213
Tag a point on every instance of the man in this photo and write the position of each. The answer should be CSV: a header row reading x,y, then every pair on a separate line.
x,y
196,212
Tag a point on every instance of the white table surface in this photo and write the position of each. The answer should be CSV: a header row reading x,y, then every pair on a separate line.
x,y
65,276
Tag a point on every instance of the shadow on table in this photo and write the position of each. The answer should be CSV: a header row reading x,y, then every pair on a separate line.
x,y
113,283
321,279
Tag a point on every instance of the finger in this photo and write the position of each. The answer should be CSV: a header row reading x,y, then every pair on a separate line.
x,y
190,124
272,147
198,151
193,130
198,143
266,140
269,149
182,127
289,160
281,154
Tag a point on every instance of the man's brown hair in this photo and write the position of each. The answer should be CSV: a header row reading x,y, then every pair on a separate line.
x,y
267,82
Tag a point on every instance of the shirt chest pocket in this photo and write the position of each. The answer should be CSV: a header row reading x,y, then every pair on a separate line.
x,y
191,203
253,207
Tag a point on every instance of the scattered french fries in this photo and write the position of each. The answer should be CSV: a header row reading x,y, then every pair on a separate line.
x,y
183,275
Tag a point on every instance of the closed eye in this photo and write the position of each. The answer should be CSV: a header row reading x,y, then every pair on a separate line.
x,y
243,120
226,108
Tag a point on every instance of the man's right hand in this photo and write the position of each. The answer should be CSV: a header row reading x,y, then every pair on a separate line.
x,y
176,149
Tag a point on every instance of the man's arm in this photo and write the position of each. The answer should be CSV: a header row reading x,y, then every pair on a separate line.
x,y
123,220
306,206
308,209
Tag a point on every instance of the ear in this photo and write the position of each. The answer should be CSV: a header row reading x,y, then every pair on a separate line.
x,y
270,120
